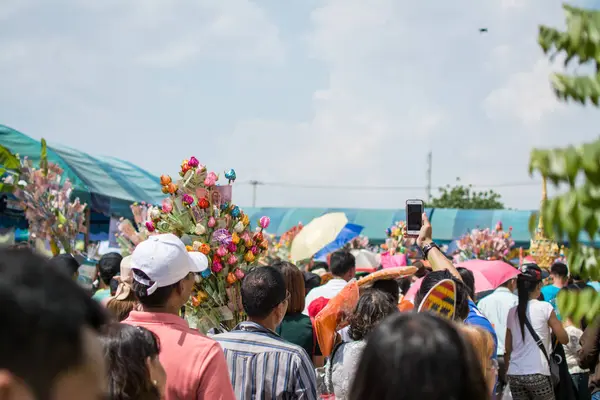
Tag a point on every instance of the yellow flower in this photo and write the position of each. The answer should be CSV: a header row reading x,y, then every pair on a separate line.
x,y
235,238
245,219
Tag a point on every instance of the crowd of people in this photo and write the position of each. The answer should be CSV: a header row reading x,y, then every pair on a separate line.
x,y
128,340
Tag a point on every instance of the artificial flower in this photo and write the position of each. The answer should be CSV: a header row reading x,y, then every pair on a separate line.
x,y
245,219
193,162
221,251
235,212
231,278
222,236
150,226
235,238
211,179
231,247
187,199
230,175
217,267
239,274
232,259
204,249
171,188
165,180
254,250
249,257
264,222
167,206
212,222
239,227
200,229
203,203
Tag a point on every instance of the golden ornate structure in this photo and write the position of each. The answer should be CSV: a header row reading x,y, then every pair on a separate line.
x,y
543,250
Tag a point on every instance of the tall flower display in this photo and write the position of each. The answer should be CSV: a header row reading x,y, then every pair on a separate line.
x,y
485,244
46,199
279,250
201,213
396,241
132,233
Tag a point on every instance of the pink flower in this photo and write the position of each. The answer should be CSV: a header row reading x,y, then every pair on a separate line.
x,y
212,222
211,179
217,267
232,247
221,251
150,226
167,206
254,250
187,199
264,222
231,260
193,162
239,274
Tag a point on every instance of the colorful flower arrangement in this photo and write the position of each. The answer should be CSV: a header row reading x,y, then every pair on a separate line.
x,y
49,211
130,235
201,213
358,243
396,242
485,244
279,250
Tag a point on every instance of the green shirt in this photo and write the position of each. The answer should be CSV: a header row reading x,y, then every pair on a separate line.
x,y
101,294
297,328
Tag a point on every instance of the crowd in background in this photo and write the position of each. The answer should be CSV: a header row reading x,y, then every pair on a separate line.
x,y
128,340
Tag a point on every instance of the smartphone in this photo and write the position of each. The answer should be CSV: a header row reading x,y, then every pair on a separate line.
x,y
414,217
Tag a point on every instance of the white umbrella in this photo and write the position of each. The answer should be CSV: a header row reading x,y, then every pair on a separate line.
x,y
317,234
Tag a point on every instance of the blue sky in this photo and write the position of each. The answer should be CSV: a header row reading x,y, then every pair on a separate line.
x,y
319,92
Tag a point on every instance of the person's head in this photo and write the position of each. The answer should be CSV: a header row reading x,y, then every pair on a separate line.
x,y
319,268
67,264
294,283
390,287
510,284
163,272
461,311
373,307
124,299
529,286
108,267
483,345
343,265
559,273
418,356
404,285
134,370
264,296
468,279
49,348
311,281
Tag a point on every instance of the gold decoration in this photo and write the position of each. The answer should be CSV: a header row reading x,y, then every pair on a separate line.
x,y
543,250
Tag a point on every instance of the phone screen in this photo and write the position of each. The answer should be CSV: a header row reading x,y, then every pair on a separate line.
x,y
414,217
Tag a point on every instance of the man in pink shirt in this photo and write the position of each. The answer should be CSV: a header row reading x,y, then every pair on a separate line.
x,y
163,278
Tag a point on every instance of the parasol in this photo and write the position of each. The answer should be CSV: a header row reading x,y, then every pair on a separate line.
x,y
496,272
317,234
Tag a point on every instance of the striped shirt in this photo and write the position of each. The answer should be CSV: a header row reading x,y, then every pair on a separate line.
x,y
264,366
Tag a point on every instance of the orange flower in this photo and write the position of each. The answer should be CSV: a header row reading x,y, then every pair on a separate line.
x,y
165,180
231,278
249,243
171,188
245,219
204,249
195,301
249,257
189,248
235,238
165,189
264,244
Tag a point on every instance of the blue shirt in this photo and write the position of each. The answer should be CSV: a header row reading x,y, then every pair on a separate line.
x,y
476,318
550,292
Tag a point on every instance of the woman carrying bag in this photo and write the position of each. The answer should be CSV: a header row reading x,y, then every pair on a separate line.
x,y
532,373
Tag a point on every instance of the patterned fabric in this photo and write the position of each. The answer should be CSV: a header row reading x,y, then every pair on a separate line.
x,y
344,363
531,387
263,365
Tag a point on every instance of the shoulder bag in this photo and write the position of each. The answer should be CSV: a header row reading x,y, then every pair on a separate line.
x,y
554,368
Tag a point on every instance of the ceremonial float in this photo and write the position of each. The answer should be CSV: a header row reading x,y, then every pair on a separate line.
x,y
543,250
202,214
46,199
485,244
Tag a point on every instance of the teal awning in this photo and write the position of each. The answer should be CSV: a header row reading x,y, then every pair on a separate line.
x,y
109,185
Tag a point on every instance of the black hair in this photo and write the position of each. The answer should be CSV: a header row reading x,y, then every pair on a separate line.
x,y
418,356
126,349
341,262
158,298
461,311
468,279
109,266
262,290
525,286
390,287
44,314
65,263
373,306
319,265
404,284
559,269
311,281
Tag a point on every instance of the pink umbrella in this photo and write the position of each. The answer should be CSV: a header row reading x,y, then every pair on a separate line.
x,y
496,272
482,284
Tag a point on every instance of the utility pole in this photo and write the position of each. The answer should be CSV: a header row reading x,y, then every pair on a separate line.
x,y
254,186
429,157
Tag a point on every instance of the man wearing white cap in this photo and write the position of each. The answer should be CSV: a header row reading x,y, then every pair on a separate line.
x,y
163,279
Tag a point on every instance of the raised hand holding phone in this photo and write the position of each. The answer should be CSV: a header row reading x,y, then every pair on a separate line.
x,y
414,217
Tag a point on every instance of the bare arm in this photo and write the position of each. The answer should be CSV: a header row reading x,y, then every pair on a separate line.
x,y
436,258
558,329
507,347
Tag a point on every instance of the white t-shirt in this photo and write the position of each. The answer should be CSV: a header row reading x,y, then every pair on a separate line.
x,y
526,357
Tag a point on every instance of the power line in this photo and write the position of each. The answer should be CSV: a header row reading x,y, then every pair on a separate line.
x,y
381,188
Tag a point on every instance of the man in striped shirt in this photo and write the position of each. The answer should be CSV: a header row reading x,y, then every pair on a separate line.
x,y
261,364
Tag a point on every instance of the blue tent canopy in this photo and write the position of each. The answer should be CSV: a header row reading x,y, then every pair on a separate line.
x,y
109,185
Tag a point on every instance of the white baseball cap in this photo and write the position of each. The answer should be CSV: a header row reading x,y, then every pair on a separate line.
x,y
164,259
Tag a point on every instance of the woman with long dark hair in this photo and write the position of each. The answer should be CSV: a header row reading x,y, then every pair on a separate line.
x,y
373,306
528,368
418,356
134,370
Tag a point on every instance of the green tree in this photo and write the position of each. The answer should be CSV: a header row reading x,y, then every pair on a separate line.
x,y
577,210
464,197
